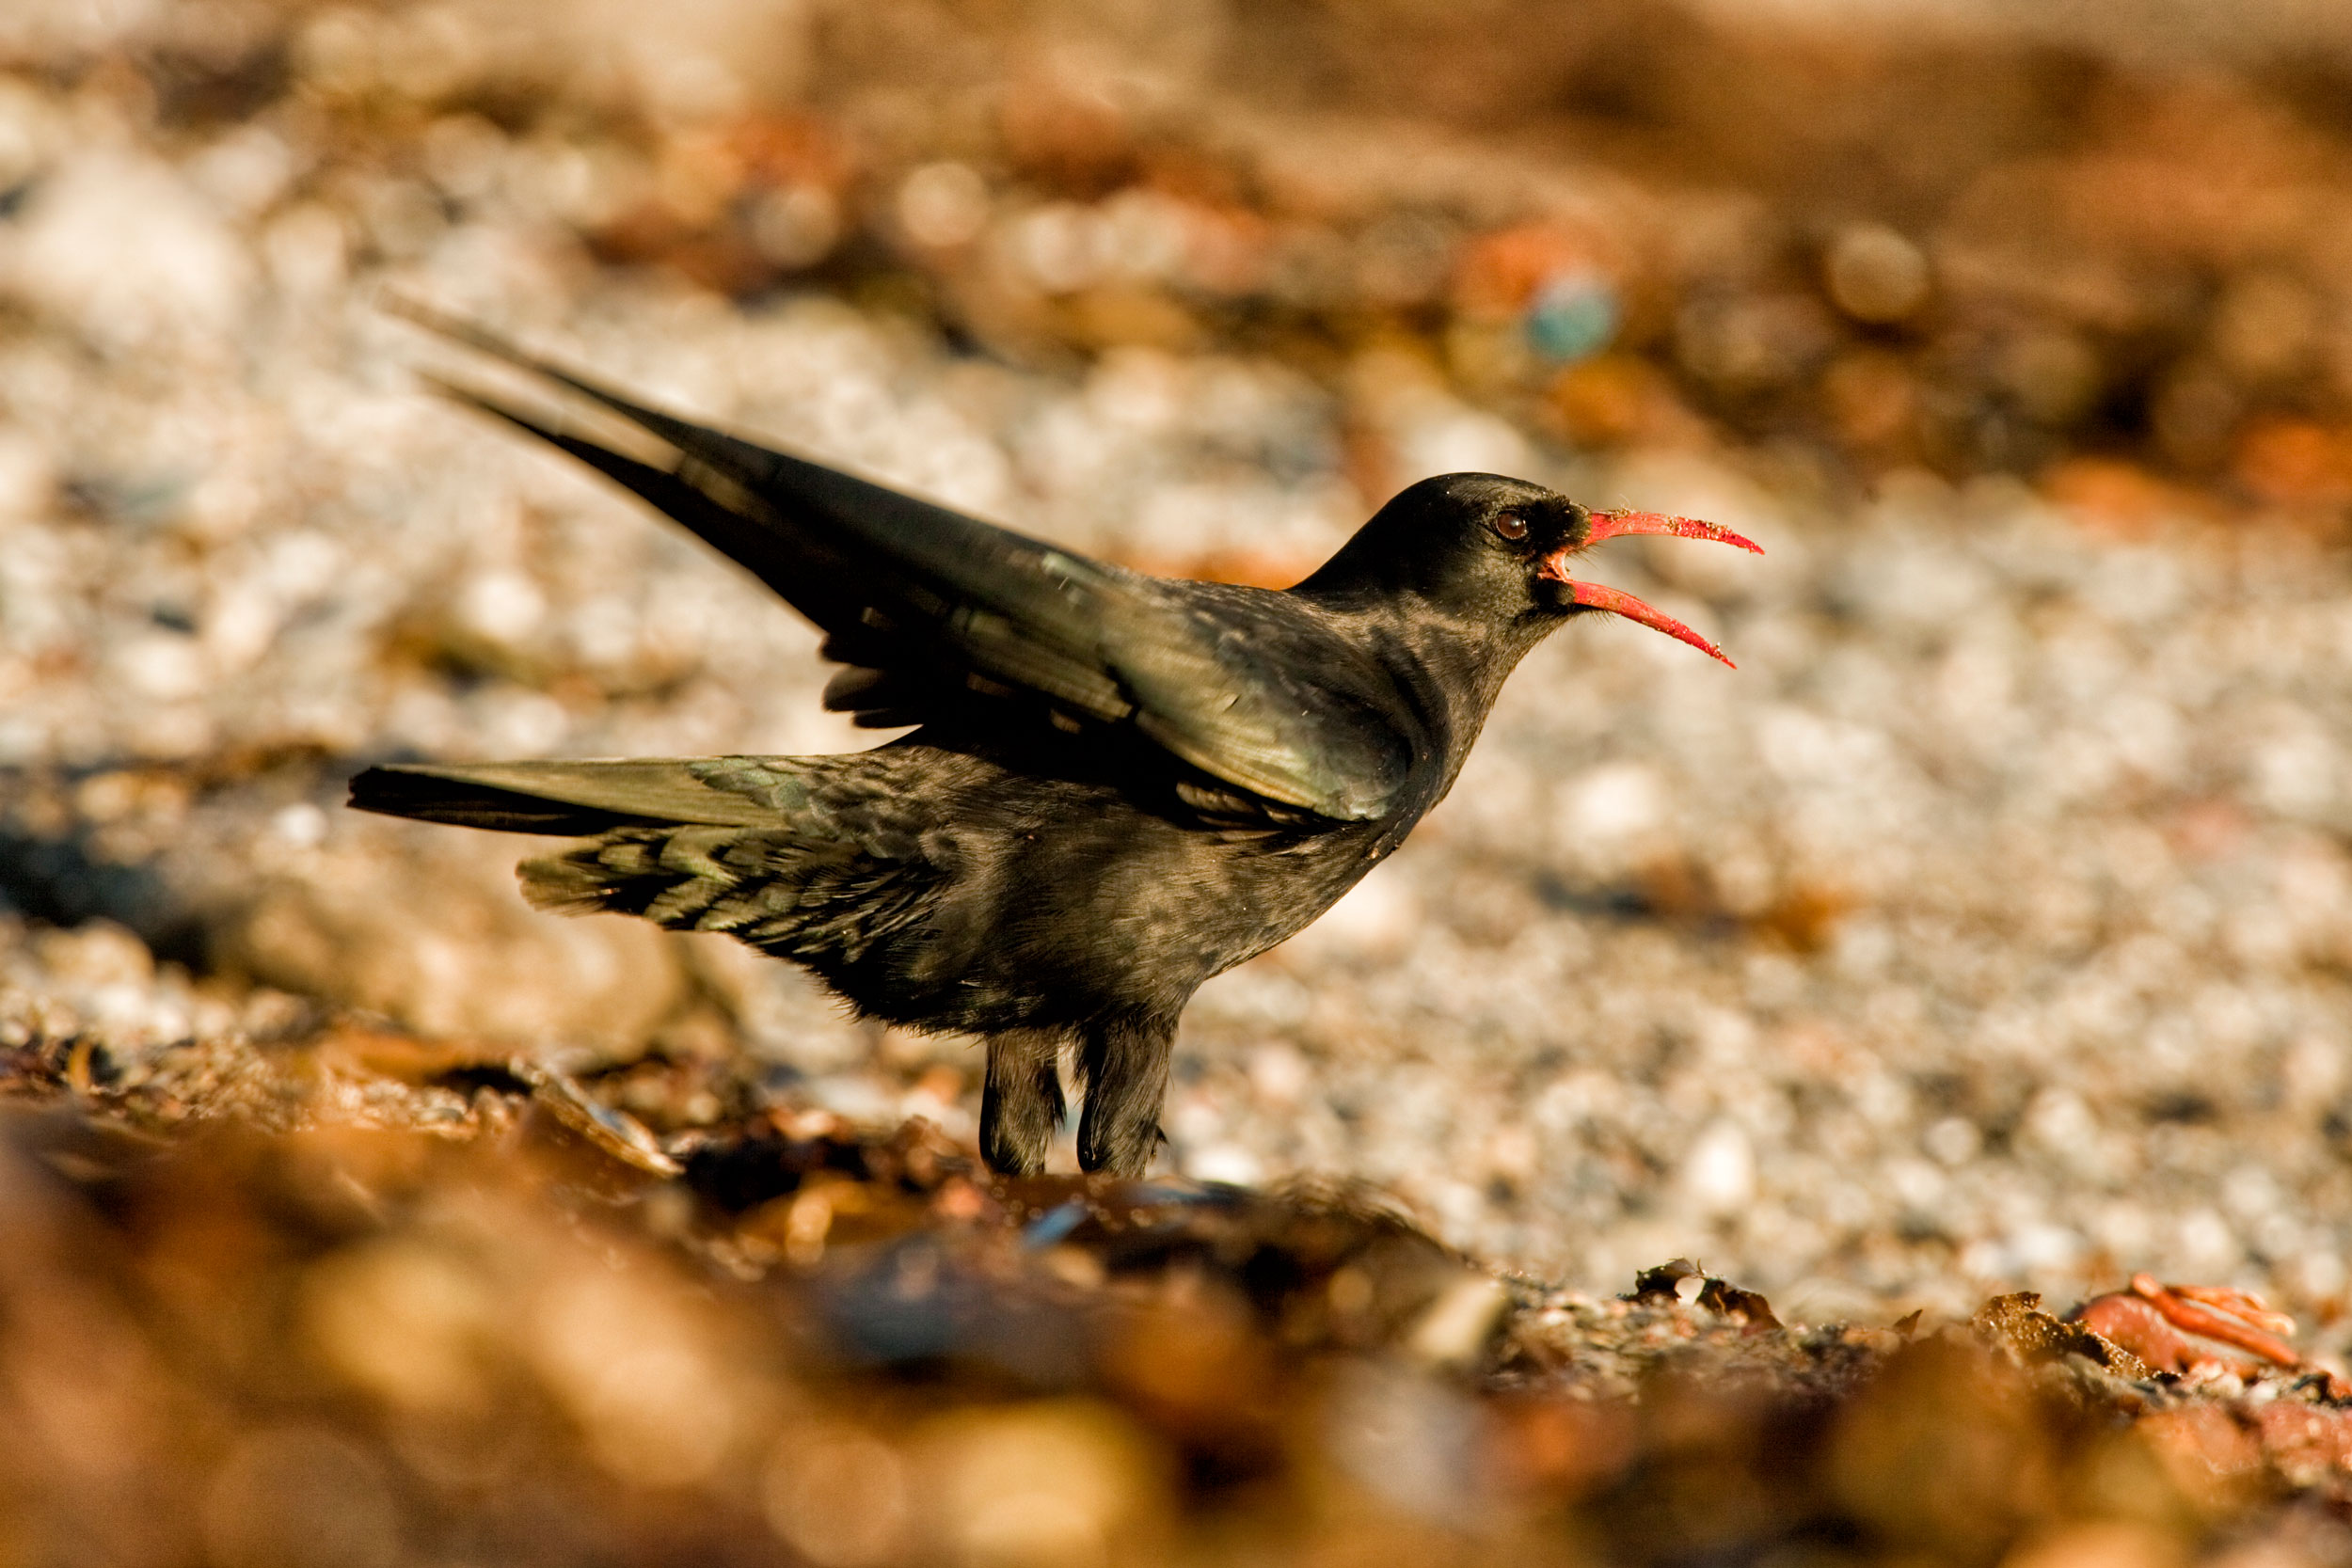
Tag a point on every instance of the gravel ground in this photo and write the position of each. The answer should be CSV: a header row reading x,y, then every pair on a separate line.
x,y
1989,928
354,1297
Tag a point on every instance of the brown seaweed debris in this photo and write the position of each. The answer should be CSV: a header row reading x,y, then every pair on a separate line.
x,y
385,1341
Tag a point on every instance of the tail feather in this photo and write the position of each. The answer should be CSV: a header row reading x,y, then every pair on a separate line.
x,y
796,901
581,883
432,797
806,857
572,799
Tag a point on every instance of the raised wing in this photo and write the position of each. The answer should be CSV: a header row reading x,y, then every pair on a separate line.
x,y
928,607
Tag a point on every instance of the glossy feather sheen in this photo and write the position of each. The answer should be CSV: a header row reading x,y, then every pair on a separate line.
x,y
903,584
1120,787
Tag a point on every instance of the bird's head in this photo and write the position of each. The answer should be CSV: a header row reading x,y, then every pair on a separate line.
x,y
1503,550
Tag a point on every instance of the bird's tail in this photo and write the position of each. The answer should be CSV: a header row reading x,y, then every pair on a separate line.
x,y
675,877
571,799
821,905
751,847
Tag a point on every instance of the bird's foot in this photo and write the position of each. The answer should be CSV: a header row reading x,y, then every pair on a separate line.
x,y
2192,1329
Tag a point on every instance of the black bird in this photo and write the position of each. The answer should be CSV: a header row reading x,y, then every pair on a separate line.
x,y
1119,784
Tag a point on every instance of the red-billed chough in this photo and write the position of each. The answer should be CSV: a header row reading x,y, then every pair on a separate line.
x,y
1119,786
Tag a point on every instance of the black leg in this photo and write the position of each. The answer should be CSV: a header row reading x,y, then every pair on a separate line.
x,y
1124,1067
1020,1105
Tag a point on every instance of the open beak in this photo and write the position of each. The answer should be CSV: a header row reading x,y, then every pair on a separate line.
x,y
1592,596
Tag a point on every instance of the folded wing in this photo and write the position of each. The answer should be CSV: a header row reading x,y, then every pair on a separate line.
x,y
930,607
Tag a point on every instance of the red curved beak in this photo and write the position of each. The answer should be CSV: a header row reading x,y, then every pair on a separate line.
x,y
1593,595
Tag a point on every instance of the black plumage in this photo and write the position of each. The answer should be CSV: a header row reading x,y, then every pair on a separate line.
x,y
1120,785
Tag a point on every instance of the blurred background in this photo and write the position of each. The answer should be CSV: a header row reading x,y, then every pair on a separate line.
x,y
1991,927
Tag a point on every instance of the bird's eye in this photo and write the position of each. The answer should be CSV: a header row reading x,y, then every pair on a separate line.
x,y
1511,525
